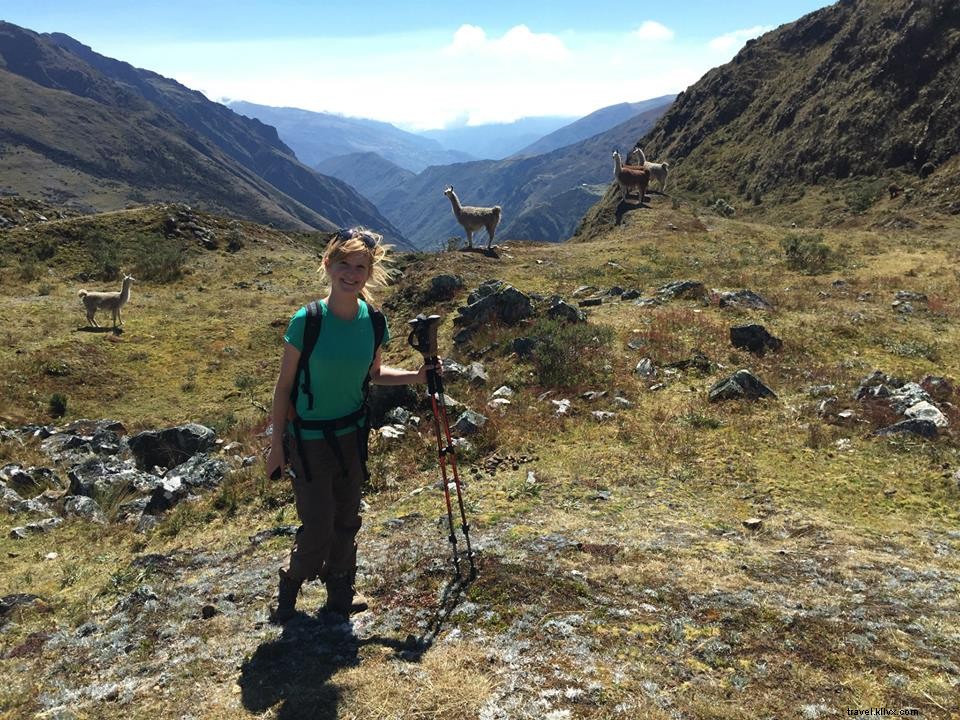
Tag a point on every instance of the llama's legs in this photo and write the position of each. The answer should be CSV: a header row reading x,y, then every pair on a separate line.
x,y
92,319
469,237
490,231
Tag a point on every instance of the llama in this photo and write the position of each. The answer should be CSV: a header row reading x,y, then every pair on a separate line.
x,y
658,171
474,218
112,301
630,177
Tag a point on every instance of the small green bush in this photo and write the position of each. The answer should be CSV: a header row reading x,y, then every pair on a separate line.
x,y
58,405
104,257
45,249
570,354
808,253
160,260
29,269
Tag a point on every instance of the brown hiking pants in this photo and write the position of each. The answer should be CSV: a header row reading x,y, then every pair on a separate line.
x,y
328,505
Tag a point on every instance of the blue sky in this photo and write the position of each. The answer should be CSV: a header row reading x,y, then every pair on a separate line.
x,y
420,64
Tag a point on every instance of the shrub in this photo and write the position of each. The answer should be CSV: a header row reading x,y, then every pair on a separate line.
x,y
808,253
58,405
29,269
45,249
570,354
159,259
104,257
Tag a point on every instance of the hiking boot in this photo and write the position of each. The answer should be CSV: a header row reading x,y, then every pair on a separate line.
x,y
286,600
341,601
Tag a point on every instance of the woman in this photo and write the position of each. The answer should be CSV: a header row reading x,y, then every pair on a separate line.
x,y
320,400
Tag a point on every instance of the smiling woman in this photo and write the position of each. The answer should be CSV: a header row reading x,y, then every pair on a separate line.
x,y
331,354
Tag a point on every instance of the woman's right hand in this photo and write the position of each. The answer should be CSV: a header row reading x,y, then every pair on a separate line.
x,y
275,463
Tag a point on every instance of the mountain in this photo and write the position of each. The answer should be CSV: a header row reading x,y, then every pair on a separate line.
x,y
543,197
97,133
497,140
369,173
593,124
316,136
856,95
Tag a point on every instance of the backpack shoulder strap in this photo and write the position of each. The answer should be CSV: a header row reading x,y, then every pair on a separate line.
x,y
311,332
379,321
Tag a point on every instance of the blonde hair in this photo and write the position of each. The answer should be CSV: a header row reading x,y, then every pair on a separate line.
x,y
359,239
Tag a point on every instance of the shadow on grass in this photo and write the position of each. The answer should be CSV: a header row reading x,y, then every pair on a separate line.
x,y
623,207
295,669
93,329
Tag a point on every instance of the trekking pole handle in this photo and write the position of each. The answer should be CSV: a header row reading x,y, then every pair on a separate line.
x,y
423,336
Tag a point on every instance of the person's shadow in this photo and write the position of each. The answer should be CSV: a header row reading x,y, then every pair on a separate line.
x,y
295,668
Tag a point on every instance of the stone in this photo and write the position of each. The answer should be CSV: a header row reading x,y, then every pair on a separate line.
x,y
923,428
924,410
172,446
754,338
744,299
561,310
476,374
523,346
469,423
645,368
742,385
691,289
85,508
444,287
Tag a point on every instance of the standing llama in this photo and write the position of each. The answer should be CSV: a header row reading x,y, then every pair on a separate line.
x,y
112,301
658,171
630,177
474,218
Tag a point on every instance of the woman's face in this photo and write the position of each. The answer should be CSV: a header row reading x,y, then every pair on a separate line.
x,y
350,273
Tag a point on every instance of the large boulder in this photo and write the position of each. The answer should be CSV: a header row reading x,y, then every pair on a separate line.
x,y
172,446
754,338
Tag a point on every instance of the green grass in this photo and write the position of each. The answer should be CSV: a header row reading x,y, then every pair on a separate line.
x,y
652,501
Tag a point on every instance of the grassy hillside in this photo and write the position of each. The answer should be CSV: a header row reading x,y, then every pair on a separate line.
x,y
850,98
678,559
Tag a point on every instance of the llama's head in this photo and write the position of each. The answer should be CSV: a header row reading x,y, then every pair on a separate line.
x,y
449,191
127,279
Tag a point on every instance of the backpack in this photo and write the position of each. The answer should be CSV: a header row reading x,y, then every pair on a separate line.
x,y
311,333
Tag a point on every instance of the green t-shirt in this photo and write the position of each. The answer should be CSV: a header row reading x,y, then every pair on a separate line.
x,y
339,364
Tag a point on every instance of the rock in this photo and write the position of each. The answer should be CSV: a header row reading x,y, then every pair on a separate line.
x,y
10,602
742,385
476,374
444,287
172,446
83,507
562,406
602,415
500,402
561,310
744,299
167,493
469,423
41,526
697,361
584,290
622,402
938,388
906,396
392,432
18,479
923,428
691,289
494,300
200,472
910,296
384,398
9,498
590,302
523,346
754,338
632,294
753,524
924,410
503,392
645,368
398,416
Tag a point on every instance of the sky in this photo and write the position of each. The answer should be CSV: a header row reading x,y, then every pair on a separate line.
x,y
418,64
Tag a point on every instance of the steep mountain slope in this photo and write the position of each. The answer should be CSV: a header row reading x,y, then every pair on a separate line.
x,y
104,133
497,140
543,197
863,89
317,136
593,124
370,173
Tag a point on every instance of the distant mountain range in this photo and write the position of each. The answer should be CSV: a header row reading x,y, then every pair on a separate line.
x,y
596,122
543,197
316,137
496,141
81,129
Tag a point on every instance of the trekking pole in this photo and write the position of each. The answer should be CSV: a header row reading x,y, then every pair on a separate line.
x,y
423,338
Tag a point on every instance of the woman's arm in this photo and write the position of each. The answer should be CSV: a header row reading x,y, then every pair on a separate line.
x,y
281,406
385,375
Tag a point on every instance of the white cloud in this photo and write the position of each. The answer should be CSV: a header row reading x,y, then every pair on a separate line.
x,y
732,41
652,30
517,42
